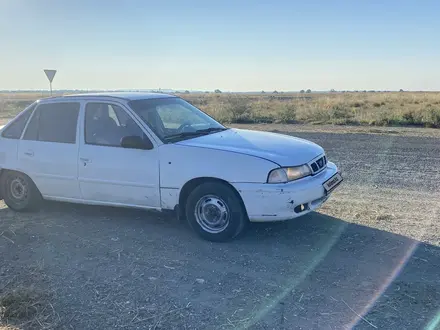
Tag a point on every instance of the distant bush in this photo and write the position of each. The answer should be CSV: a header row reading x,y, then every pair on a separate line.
x,y
340,114
432,118
411,117
287,114
238,110
314,115
200,101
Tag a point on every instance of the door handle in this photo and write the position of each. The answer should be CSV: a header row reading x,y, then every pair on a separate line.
x,y
85,160
29,153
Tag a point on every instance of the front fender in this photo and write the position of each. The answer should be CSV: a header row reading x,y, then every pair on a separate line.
x,y
180,164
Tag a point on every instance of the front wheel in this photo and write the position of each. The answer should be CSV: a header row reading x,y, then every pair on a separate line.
x,y
19,191
215,212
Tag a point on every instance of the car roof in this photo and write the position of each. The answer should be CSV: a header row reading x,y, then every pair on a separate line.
x,y
129,96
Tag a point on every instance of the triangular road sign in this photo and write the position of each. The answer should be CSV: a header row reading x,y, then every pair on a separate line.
x,y
50,74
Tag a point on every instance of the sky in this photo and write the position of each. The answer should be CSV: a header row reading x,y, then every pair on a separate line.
x,y
235,45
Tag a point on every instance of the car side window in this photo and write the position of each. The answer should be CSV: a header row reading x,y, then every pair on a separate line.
x,y
31,132
54,122
106,124
16,128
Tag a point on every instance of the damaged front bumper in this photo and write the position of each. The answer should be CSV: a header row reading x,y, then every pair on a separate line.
x,y
277,202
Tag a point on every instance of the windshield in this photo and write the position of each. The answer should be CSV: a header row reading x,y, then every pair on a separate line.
x,y
173,118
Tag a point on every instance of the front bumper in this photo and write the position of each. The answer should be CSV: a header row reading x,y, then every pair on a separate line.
x,y
277,202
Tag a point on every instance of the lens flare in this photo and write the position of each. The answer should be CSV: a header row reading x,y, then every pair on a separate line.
x,y
435,323
294,282
396,271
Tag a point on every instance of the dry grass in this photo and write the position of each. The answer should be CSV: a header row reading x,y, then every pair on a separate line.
x,y
27,307
379,109
12,103
25,301
375,109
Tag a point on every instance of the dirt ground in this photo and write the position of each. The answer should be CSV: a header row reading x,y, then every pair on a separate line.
x,y
369,259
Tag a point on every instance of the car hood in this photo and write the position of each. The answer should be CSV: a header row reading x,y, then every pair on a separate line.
x,y
281,149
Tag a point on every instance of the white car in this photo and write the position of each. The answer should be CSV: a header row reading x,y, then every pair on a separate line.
x,y
157,151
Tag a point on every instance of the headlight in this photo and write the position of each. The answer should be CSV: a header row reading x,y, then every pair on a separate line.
x,y
286,174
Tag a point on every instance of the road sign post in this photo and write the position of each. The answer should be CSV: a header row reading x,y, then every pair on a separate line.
x,y
50,74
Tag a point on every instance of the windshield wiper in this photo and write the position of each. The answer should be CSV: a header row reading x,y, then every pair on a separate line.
x,y
211,129
199,132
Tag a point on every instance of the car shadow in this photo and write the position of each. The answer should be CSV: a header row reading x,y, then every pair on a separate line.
x,y
312,272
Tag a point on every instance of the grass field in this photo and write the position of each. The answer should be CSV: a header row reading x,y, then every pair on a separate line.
x,y
371,108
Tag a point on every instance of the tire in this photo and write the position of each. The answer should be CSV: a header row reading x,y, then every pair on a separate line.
x,y
215,212
19,191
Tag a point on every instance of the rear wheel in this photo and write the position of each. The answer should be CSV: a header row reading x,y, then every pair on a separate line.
x,y
215,212
19,191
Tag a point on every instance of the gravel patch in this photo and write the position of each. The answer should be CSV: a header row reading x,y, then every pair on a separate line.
x,y
370,258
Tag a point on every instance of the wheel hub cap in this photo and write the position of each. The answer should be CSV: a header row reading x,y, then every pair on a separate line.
x,y
19,189
212,214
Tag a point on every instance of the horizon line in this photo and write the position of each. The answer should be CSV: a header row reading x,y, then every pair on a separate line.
x,y
167,90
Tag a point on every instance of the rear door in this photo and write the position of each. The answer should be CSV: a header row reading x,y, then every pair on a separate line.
x,y
108,173
10,138
48,150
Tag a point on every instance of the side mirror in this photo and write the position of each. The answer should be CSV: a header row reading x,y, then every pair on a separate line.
x,y
136,142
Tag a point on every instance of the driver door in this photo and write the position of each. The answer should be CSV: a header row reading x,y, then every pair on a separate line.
x,y
109,173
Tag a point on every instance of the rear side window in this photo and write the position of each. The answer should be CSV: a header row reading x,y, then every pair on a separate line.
x,y
54,122
16,128
31,132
